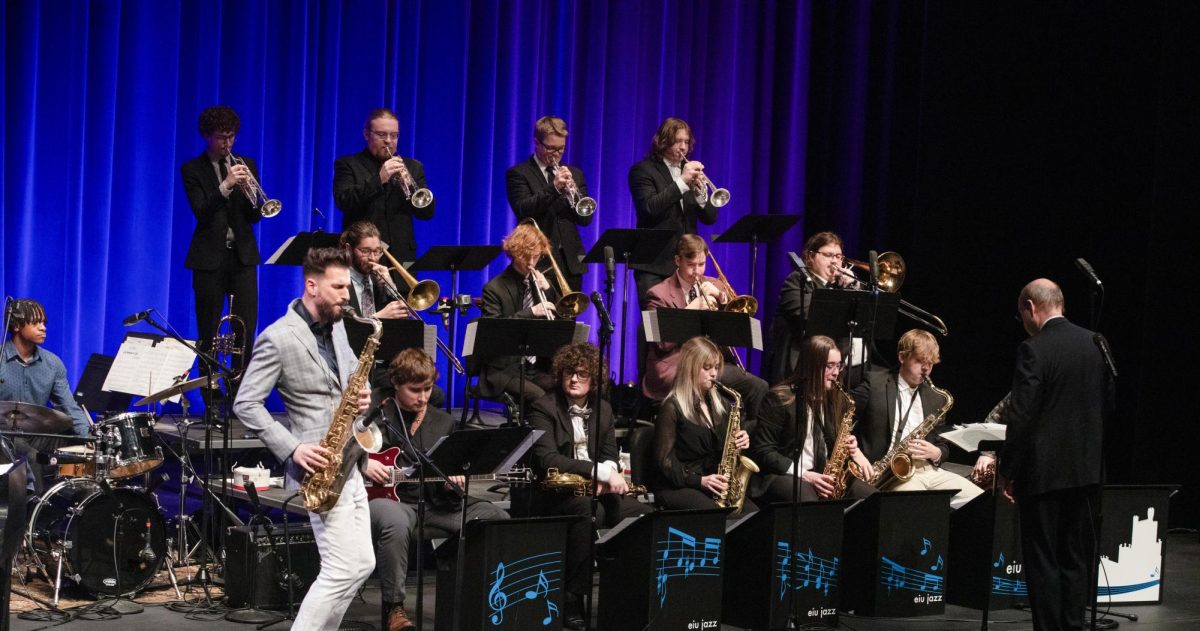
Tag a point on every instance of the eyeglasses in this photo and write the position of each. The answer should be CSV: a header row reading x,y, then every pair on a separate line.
x,y
385,135
834,366
581,375
830,255
549,149
371,252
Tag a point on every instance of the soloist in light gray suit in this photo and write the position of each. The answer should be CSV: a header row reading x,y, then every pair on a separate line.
x,y
286,358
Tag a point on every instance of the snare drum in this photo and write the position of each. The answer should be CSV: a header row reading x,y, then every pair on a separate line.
x,y
77,469
127,442
90,531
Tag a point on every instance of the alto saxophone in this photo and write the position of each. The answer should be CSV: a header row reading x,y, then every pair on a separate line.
x,y
839,466
321,488
736,468
897,463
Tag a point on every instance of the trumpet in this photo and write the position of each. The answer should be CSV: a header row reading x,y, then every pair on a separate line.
x,y
254,192
738,304
420,197
892,270
572,303
583,205
707,190
227,343
423,294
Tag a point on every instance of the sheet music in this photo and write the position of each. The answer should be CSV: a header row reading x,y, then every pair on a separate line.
x,y
969,436
469,339
148,363
279,251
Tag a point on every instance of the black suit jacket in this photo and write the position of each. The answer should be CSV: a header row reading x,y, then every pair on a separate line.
x,y
214,213
1062,396
787,328
685,451
777,435
661,206
531,196
359,195
556,447
874,418
502,298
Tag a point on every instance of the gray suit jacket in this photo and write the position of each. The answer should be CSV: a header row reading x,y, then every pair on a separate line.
x,y
286,358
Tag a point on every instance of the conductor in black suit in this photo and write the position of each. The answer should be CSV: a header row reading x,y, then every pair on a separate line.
x,y
1061,397
538,190
367,185
223,253
663,186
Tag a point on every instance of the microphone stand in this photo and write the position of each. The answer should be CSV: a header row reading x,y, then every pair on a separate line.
x,y
605,340
797,473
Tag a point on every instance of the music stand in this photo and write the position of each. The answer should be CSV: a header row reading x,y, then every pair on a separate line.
x,y
752,229
850,313
398,334
630,247
520,337
295,247
455,258
477,452
724,328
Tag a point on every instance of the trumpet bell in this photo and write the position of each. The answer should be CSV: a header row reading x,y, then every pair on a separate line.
x,y
572,304
585,207
424,295
742,304
271,208
719,198
422,198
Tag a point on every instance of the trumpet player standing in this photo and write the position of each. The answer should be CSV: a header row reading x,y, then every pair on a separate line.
x,y
543,189
223,253
381,187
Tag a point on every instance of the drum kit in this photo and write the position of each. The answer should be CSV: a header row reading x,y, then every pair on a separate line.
x,y
107,540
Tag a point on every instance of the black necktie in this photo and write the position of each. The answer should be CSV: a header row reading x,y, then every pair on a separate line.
x,y
550,175
224,168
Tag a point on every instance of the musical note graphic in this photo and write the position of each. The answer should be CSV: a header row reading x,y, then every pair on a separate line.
x,y
679,557
804,570
895,576
1009,587
534,577
939,565
925,546
999,561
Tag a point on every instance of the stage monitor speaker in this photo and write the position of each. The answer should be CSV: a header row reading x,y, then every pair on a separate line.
x,y
267,564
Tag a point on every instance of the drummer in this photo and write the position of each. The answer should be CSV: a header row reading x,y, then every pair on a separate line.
x,y
32,374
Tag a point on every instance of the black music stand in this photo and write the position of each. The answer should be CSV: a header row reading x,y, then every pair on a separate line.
x,y
477,452
754,229
398,334
455,258
630,247
849,313
293,249
521,337
724,328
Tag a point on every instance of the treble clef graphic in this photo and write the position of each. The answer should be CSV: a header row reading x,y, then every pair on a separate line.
x,y
497,599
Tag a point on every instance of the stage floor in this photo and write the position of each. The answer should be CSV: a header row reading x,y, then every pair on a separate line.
x,y
1180,608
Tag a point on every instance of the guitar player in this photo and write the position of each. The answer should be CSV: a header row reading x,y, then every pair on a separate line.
x,y
394,521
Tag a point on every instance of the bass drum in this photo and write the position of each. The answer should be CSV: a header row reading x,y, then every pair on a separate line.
x,y
108,541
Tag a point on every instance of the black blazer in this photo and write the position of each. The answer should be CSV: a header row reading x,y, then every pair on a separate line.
x,y
787,328
778,434
1061,398
556,447
661,206
685,451
874,420
359,195
502,297
214,213
531,196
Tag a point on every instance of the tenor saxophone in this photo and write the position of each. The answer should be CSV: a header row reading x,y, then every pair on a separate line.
x,y
839,466
897,463
736,468
321,488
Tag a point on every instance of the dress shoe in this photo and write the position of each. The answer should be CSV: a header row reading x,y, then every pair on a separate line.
x,y
398,620
573,618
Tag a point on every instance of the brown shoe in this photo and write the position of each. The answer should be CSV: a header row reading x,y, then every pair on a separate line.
x,y
398,620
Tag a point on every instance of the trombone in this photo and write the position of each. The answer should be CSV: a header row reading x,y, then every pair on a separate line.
x,y
583,205
572,303
707,190
420,197
892,270
254,192
422,296
738,304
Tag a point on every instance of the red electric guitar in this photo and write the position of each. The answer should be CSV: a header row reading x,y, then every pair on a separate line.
x,y
515,477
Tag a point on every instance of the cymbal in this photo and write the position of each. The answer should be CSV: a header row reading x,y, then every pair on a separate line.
x,y
28,417
175,390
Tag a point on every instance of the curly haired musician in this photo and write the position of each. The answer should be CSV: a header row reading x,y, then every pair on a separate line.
x,y
305,356
891,404
566,416
394,518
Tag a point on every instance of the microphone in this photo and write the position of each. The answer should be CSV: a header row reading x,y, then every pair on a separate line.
x,y
61,458
372,415
147,554
602,311
873,257
1088,271
610,264
138,317
1105,351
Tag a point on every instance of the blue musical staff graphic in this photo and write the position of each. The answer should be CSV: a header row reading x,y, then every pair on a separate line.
x,y
529,579
810,570
1009,587
678,556
896,576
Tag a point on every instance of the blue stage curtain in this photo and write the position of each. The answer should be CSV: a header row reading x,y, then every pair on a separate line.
x,y
101,101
